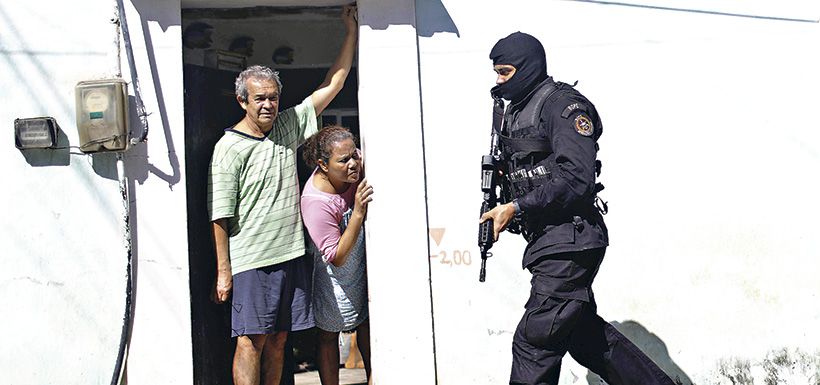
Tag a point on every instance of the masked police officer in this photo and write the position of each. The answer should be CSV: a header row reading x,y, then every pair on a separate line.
x,y
548,144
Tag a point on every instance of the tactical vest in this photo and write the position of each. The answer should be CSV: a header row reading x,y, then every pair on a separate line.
x,y
529,160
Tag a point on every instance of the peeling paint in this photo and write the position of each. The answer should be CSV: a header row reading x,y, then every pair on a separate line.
x,y
782,366
38,282
796,367
178,268
737,371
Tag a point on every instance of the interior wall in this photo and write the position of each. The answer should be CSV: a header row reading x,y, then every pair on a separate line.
x,y
707,150
255,3
271,28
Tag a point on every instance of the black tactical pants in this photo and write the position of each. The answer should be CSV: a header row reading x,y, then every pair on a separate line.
x,y
552,326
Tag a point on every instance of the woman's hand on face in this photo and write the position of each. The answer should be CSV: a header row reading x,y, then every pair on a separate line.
x,y
364,194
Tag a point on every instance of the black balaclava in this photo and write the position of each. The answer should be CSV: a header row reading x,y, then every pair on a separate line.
x,y
526,54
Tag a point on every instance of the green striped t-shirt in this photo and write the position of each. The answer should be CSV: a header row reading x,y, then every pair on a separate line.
x,y
253,183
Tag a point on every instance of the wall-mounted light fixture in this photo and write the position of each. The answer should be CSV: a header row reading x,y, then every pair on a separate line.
x,y
35,133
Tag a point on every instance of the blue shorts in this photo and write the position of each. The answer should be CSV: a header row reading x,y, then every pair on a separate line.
x,y
272,298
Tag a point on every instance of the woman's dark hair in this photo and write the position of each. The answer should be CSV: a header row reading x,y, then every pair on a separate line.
x,y
320,145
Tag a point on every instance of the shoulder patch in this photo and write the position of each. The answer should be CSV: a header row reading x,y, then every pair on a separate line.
x,y
583,125
571,108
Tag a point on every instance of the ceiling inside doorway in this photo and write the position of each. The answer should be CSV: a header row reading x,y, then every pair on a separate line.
x,y
261,3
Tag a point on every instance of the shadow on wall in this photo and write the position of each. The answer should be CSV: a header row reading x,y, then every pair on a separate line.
x,y
104,164
166,17
431,18
650,344
693,10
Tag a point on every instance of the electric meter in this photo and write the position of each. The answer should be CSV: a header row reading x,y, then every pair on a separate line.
x,y
102,115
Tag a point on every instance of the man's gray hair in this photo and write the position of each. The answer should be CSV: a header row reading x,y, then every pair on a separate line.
x,y
255,72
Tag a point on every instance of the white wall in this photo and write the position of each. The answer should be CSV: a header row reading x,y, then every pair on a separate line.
x,y
63,259
161,341
398,274
710,158
63,249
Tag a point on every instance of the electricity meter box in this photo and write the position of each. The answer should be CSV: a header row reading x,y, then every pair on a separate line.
x,y
102,115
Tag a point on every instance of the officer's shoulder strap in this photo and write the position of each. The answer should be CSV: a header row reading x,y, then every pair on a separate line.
x,y
530,115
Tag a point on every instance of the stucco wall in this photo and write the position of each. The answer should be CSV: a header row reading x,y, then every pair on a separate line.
x,y
62,238
709,156
401,321
161,341
63,257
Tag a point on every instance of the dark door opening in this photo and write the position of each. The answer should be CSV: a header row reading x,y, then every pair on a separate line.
x,y
218,43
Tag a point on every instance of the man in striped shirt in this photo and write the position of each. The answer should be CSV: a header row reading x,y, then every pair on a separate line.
x,y
253,203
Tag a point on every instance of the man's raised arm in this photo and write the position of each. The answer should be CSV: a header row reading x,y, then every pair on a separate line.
x,y
335,78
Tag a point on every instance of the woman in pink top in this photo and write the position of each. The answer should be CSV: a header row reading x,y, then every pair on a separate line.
x,y
334,204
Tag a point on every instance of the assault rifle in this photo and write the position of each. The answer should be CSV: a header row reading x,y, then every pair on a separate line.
x,y
489,173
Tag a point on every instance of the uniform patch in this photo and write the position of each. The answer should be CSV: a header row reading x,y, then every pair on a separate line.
x,y
572,107
583,125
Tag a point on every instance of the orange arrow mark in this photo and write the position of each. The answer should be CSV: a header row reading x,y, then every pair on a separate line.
x,y
437,234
